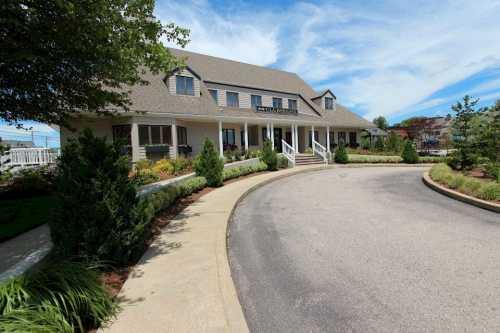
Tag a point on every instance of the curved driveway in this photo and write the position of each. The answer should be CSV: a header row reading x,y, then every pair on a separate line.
x,y
364,250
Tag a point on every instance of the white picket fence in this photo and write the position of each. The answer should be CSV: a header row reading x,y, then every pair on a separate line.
x,y
24,157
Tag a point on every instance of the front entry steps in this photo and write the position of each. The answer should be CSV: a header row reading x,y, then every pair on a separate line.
x,y
305,159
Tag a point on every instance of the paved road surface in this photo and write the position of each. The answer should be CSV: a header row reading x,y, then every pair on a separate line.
x,y
364,250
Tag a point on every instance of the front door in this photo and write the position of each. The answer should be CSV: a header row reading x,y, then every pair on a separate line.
x,y
353,139
278,136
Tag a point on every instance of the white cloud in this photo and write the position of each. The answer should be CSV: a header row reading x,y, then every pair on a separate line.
x,y
249,37
384,58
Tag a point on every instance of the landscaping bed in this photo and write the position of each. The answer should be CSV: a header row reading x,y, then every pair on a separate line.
x,y
373,158
474,183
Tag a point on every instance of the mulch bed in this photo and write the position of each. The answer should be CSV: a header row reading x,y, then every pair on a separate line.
x,y
115,279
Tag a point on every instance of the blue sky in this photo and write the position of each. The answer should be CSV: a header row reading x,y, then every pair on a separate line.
x,y
391,58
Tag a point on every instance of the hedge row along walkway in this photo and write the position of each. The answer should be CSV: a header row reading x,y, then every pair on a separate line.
x,y
183,282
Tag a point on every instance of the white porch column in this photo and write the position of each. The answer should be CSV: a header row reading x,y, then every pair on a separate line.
x,y
272,135
175,144
296,127
221,146
134,136
246,137
328,138
268,136
312,137
293,136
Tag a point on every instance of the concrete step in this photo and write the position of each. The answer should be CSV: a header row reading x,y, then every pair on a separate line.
x,y
309,163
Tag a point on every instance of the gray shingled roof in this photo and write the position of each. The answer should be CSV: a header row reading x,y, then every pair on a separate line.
x,y
156,99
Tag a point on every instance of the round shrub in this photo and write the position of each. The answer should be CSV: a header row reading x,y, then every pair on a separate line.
x,y
143,164
145,176
209,165
341,154
409,154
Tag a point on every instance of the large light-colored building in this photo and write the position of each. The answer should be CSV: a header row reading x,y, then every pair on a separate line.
x,y
237,105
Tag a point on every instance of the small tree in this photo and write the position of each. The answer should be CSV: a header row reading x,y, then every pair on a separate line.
x,y
341,154
463,130
269,156
409,154
99,216
393,142
490,141
209,165
379,144
381,123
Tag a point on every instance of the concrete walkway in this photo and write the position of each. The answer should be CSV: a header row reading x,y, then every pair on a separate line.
x,y
183,282
20,253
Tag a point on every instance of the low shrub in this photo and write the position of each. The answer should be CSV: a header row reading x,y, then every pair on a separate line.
x,y
269,156
456,181
182,164
489,191
209,165
440,173
164,166
163,198
379,144
341,155
59,297
373,159
143,164
409,154
244,170
431,159
470,186
30,182
145,176
493,169
282,162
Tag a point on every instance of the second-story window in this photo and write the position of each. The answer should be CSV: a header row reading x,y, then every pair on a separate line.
x,y
213,93
292,104
232,99
256,100
184,85
277,102
329,103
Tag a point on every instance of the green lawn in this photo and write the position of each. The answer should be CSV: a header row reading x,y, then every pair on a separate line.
x,y
20,215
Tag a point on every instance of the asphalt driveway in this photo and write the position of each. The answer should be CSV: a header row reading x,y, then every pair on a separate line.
x,y
364,250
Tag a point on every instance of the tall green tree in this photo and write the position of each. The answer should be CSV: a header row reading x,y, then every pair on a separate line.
x,y
464,132
490,140
381,122
60,57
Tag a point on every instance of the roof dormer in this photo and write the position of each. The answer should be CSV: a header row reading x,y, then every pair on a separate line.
x,y
183,82
326,100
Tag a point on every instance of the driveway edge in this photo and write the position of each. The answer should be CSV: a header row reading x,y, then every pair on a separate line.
x,y
458,195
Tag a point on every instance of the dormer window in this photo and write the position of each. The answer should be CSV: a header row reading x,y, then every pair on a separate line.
x,y
184,85
277,102
329,103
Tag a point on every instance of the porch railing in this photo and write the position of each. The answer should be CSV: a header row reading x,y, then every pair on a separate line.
x,y
30,157
288,152
319,150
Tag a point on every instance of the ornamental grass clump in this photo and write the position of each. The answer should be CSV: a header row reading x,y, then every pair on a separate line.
x,y
490,191
209,165
60,297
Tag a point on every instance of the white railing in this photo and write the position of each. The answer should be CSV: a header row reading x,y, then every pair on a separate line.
x,y
288,152
319,150
20,157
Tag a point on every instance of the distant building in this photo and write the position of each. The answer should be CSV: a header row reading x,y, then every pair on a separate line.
x,y
430,132
375,133
16,143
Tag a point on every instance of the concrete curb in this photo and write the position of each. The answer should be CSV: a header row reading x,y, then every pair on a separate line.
x,y
458,195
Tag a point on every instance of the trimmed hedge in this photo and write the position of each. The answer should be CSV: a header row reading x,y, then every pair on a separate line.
x,y
444,175
243,170
356,158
